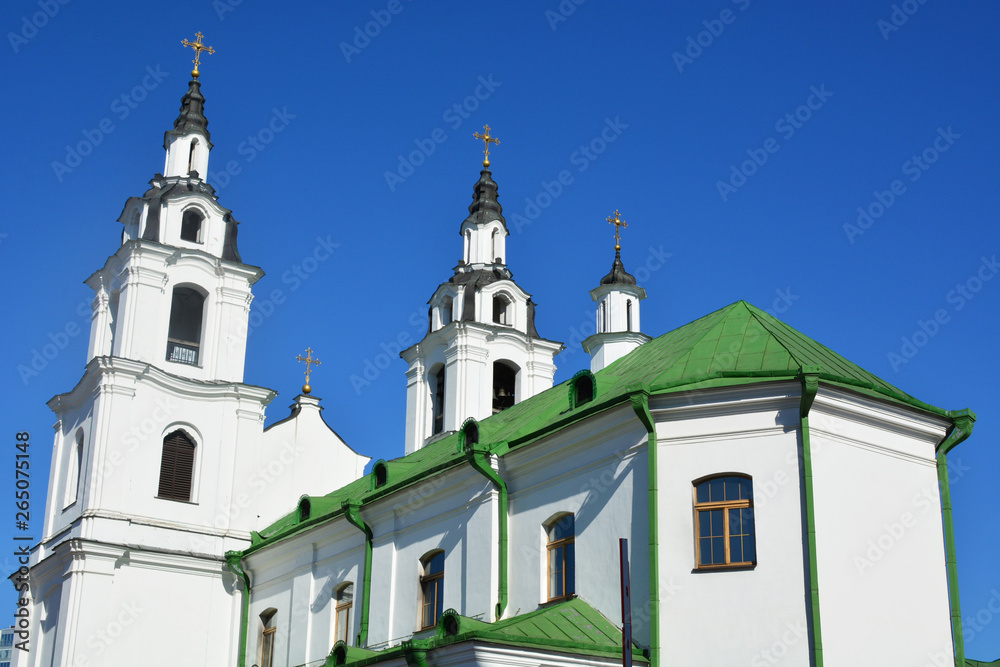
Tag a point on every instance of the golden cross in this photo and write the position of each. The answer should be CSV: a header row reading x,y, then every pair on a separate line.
x,y
309,361
486,139
198,48
618,223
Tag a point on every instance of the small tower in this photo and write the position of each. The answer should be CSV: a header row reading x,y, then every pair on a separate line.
x,y
482,353
617,297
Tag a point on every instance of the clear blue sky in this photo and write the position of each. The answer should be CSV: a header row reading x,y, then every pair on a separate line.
x,y
738,139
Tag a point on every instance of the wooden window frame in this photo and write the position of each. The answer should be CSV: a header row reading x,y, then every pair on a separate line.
x,y
431,580
552,545
345,608
725,506
171,468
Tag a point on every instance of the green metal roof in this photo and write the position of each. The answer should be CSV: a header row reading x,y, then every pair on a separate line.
x,y
736,345
572,627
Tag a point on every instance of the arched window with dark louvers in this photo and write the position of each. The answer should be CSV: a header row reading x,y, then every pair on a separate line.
x,y
176,467
628,315
187,307
439,401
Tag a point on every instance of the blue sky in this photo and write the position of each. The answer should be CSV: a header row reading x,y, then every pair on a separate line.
x,y
833,163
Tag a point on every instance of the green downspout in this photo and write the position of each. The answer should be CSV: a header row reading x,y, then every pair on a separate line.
x,y
810,385
233,563
640,404
964,421
352,511
477,457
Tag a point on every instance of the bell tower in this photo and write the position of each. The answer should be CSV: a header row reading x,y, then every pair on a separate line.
x,y
482,352
157,446
617,299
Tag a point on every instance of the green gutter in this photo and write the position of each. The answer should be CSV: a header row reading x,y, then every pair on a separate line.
x,y
415,652
352,512
810,385
963,420
477,457
233,563
640,404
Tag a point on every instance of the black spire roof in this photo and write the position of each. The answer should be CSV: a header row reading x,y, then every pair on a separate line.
x,y
485,207
192,114
618,275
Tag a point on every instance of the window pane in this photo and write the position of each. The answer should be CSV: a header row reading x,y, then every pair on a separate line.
x,y
701,493
705,546
746,489
570,567
343,620
435,564
716,490
704,524
749,549
718,551
735,550
734,522
562,528
718,528
732,488
556,572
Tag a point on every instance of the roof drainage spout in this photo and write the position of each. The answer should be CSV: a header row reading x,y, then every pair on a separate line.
x,y
964,421
352,511
478,457
233,563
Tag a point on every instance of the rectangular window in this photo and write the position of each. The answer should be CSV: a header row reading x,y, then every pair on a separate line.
x,y
267,648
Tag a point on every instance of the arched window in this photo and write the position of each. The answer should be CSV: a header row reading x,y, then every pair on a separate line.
x,y
470,433
628,315
191,226
504,386
724,528
493,246
561,534
176,467
502,310
438,410
380,471
344,597
600,318
184,335
113,303
268,628
74,467
194,145
606,316
468,246
444,310
431,589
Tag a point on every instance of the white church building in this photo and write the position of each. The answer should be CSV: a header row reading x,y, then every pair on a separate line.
x,y
748,466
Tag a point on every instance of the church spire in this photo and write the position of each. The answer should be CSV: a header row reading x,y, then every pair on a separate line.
x,y
189,142
617,299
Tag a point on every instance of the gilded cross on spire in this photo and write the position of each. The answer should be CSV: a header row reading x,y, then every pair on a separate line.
x,y
198,48
309,362
486,139
618,223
